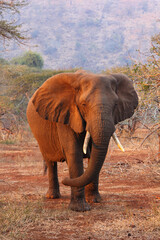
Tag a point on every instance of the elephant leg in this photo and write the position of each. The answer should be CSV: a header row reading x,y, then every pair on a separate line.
x,y
92,192
72,149
78,202
44,168
53,191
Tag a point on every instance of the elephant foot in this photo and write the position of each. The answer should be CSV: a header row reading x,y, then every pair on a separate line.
x,y
52,194
93,197
79,205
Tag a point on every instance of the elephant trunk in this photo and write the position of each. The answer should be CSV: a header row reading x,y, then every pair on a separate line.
x,y
114,136
100,140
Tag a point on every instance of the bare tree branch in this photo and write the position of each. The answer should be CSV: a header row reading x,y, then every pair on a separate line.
x,y
155,130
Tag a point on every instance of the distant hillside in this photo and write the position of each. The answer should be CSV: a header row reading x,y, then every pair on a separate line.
x,y
93,34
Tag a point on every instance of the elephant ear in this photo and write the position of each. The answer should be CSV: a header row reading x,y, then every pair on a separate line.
x,y
127,98
55,101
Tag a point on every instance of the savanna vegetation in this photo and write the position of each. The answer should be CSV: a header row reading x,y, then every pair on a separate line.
x,y
130,195
24,74
146,77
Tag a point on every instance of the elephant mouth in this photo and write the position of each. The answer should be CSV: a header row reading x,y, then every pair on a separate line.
x,y
88,136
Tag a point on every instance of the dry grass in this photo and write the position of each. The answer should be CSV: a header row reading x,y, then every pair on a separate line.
x,y
17,217
26,219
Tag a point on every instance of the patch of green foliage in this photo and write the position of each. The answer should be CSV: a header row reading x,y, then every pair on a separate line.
x,y
30,59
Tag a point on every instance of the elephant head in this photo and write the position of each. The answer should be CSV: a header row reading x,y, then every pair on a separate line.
x,y
87,102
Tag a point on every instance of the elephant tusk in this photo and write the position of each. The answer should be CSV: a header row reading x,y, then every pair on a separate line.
x,y
115,138
87,138
86,141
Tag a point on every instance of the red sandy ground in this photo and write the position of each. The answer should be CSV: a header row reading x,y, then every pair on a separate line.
x,y
129,186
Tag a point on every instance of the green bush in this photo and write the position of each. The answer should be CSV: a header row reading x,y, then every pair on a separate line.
x,y
30,59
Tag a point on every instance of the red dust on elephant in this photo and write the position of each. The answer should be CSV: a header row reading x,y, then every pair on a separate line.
x,y
62,111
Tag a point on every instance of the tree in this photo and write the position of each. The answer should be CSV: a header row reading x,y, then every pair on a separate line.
x,y
152,84
146,77
9,29
31,59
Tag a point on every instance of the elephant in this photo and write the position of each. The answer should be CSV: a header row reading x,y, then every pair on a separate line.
x,y
62,111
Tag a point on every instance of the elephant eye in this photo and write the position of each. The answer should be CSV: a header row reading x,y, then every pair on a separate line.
x,y
115,105
114,85
83,103
84,108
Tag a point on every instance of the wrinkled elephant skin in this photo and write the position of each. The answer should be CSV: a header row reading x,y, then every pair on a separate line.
x,y
59,114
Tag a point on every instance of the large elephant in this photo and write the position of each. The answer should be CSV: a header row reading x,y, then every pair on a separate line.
x,y
60,113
